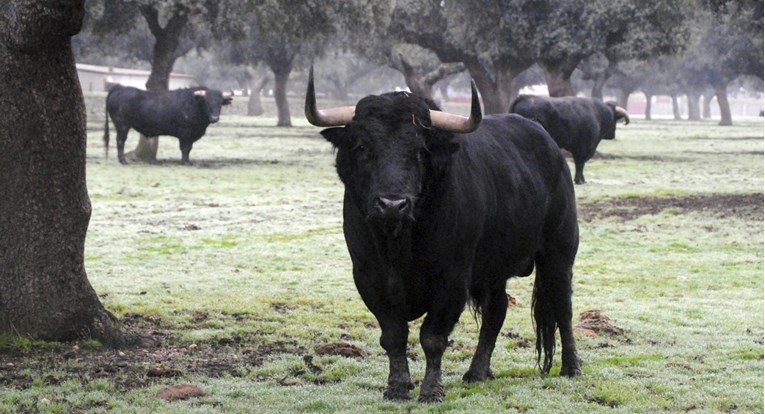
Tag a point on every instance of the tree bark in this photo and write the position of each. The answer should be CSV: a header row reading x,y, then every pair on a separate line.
x,y
281,78
558,75
676,107
648,104
623,99
721,92
557,85
497,91
706,109
45,208
254,104
598,84
694,113
164,55
279,58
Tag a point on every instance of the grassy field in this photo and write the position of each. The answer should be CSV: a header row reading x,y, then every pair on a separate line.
x,y
237,268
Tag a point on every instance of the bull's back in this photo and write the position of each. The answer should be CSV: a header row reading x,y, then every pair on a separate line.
x,y
515,148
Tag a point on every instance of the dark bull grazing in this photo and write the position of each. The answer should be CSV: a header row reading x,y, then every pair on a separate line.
x,y
182,113
576,124
440,210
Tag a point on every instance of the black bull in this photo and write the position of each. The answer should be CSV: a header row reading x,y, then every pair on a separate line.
x,y
434,219
182,113
576,124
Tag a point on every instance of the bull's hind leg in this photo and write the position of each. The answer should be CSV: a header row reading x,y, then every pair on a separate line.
x,y
122,134
552,308
493,310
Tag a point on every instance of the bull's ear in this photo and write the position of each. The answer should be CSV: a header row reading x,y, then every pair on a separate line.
x,y
228,96
337,136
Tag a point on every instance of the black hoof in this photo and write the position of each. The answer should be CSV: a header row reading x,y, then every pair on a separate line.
x,y
477,376
570,371
433,398
398,392
434,395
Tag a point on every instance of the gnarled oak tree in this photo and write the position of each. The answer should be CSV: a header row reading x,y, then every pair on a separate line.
x,y
44,206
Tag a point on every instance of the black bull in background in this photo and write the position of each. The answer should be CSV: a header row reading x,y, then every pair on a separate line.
x,y
576,124
440,210
182,113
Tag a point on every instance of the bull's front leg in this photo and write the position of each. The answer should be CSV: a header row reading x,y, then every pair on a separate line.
x,y
393,340
434,336
579,171
185,150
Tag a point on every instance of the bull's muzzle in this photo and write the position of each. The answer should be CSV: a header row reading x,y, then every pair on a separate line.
x,y
392,207
214,119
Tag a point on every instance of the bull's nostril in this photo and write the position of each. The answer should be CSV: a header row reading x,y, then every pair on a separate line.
x,y
392,205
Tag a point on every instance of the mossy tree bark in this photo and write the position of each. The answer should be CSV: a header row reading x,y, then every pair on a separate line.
x,y
44,207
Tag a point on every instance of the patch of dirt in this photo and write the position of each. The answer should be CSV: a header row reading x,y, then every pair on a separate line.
x,y
343,349
180,392
593,323
741,206
159,359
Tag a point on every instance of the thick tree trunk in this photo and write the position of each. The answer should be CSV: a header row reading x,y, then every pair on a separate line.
x,y
648,98
44,208
254,104
497,91
623,99
281,78
558,75
599,84
694,113
676,107
279,58
706,109
164,55
558,84
415,81
721,92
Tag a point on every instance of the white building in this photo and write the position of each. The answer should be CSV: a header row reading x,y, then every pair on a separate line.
x,y
99,78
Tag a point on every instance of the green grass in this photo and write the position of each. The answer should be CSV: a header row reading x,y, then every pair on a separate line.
x,y
251,238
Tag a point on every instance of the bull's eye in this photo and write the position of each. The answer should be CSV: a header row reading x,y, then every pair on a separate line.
x,y
361,151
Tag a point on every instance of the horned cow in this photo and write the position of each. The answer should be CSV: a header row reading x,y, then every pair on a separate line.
x,y
182,113
576,124
440,211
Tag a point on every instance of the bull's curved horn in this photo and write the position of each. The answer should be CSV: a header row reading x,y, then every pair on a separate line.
x,y
458,123
326,117
621,111
227,94
200,92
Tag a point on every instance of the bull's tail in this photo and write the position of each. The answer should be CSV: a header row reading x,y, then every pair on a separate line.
x,y
551,306
544,321
106,123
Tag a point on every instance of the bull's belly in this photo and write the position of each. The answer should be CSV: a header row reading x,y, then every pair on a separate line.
x,y
155,132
